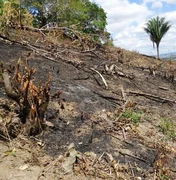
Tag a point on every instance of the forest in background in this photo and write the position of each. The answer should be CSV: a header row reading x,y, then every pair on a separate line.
x,y
83,16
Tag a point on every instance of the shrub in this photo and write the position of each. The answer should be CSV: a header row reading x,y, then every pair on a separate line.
x,y
31,99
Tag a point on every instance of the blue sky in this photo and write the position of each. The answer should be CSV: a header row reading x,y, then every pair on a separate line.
x,y
126,19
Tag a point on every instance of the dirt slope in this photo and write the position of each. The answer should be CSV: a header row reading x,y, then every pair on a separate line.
x,y
113,101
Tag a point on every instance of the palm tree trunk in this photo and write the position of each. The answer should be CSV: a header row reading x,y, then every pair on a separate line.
x,y
157,47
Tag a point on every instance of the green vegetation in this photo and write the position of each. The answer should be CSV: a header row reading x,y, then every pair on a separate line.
x,y
109,42
81,16
168,128
164,177
134,117
12,13
157,28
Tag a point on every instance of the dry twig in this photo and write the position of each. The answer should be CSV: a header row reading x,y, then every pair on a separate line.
x,y
153,97
132,172
103,79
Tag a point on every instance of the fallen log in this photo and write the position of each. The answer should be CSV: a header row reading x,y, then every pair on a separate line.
x,y
153,97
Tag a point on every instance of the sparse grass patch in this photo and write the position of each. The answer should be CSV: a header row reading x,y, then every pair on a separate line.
x,y
164,177
109,43
148,118
133,116
167,127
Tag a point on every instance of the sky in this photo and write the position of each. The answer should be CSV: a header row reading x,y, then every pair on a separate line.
x,y
127,18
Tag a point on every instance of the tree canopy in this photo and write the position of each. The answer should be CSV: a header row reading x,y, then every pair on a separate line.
x,y
156,28
11,12
81,15
87,16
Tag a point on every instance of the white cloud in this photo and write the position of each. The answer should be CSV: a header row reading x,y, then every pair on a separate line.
x,y
166,1
157,5
171,16
126,22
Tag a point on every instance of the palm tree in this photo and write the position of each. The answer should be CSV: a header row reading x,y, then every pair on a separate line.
x,y
157,28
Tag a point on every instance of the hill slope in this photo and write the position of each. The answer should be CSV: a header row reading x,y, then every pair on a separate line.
x,y
113,101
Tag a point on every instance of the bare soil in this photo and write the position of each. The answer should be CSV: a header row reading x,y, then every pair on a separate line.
x,y
94,117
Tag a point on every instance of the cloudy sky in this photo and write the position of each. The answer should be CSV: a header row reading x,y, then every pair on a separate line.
x,y
126,19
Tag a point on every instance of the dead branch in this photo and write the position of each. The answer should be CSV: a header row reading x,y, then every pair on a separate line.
x,y
8,87
119,139
132,156
163,88
124,135
153,97
125,75
123,93
123,110
7,39
51,56
109,97
114,164
43,29
113,69
90,50
67,32
103,79
132,172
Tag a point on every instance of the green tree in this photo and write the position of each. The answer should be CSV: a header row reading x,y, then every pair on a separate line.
x,y
11,13
86,16
1,7
156,28
95,20
39,9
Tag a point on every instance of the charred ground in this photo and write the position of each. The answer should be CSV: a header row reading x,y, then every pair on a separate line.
x,y
128,111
